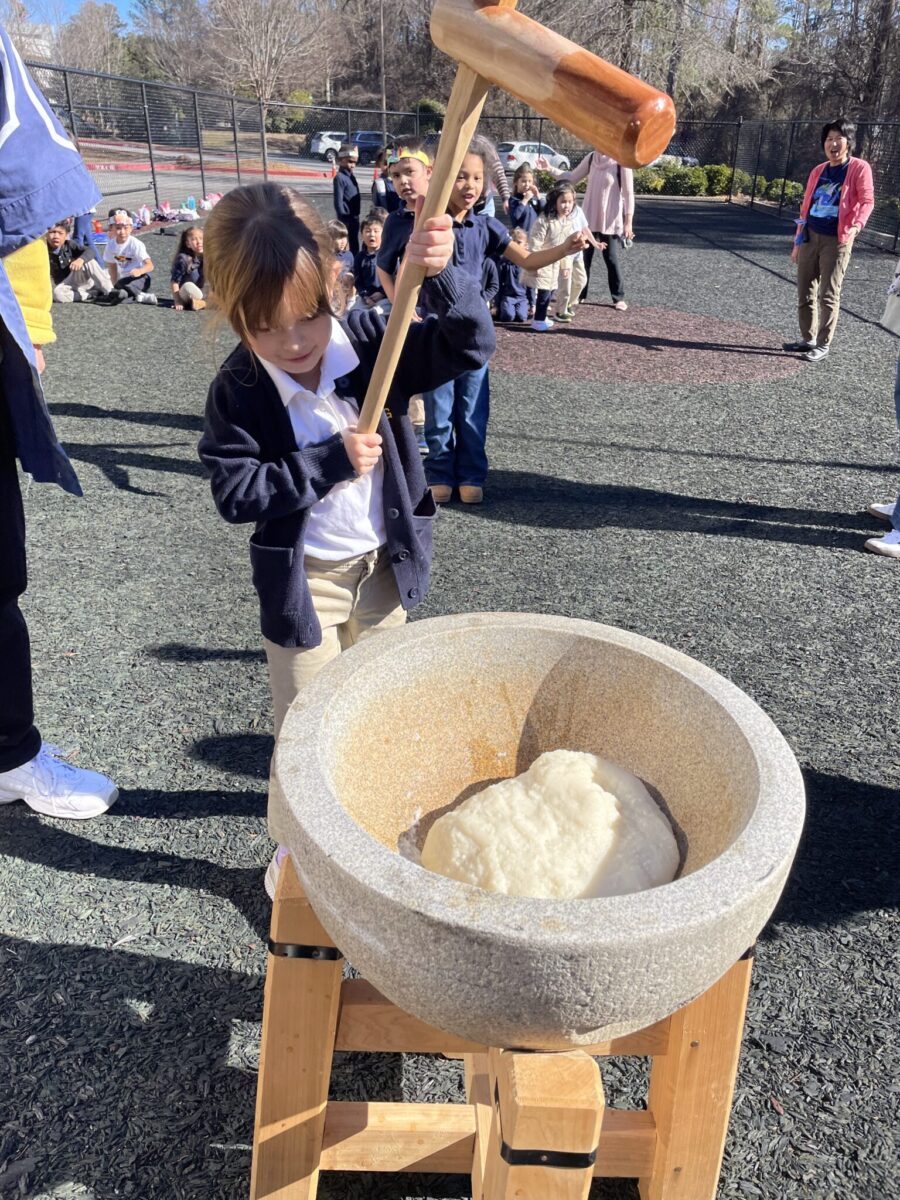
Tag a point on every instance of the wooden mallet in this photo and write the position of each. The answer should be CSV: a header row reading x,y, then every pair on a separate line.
x,y
494,45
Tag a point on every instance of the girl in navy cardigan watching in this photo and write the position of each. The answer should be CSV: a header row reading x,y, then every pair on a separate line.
x,y
341,546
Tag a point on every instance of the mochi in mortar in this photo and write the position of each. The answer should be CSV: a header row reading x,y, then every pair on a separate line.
x,y
573,826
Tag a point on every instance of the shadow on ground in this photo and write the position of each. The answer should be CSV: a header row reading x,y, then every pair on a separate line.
x,y
548,502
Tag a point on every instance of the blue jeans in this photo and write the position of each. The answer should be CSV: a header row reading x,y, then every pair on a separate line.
x,y
895,520
84,233
456,419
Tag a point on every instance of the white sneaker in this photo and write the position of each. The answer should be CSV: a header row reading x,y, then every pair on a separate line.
x,y
883,512
888,545
146,298
273,870
541,326
55,788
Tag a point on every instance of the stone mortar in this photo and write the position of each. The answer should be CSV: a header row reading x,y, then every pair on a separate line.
x,y
418,718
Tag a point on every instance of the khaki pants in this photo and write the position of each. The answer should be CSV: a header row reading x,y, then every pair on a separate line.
x,y
821,265
189,292
569,287
353,599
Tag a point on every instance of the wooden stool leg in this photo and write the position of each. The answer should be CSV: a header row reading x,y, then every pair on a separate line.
x,y
478,1094
300,1012
691,1087
551,1106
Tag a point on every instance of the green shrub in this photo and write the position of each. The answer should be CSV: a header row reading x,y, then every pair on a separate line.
x,y
544,180
760,185
648,181
742,184
685,181
793,192
431,115
718,179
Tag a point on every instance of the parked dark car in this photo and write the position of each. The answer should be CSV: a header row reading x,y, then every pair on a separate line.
x,y
369,141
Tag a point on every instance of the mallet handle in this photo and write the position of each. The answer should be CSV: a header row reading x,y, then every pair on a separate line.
x,y
463,111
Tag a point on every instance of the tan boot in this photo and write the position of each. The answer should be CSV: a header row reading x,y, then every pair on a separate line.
x,y
442,493
198,305
469,494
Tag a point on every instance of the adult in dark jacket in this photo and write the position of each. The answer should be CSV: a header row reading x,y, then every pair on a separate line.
x,y
41,176
346,194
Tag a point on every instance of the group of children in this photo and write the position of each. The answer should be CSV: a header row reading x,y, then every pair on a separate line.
x,y
518,272
124,273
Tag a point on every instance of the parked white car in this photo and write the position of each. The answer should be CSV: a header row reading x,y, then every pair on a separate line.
x,y
326,145
514,154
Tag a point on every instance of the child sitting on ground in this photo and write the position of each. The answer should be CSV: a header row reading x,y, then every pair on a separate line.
x,y
128,261
187,271
561,219
512,301
74,271
342,541
365,270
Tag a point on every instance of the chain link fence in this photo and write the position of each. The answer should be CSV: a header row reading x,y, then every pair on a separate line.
x,y
147,142
777,157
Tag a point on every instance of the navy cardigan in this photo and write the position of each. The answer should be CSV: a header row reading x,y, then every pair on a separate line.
x,y
258,473
346,196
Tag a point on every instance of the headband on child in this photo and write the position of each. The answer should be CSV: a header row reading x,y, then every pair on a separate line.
x,y
405,152
121,216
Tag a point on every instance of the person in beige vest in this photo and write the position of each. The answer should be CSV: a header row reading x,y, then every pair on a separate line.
x,y
608,207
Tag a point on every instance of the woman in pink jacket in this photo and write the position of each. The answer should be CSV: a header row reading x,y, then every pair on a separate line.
x,y
838,201
609,209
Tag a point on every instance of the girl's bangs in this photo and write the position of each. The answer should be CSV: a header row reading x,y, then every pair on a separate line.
x,y
273,301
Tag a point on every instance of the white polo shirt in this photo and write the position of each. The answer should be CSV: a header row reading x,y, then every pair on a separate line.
x,y
349,520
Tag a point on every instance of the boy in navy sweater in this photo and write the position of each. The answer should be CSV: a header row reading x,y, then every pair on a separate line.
x,y
512,300
409,169
365,270
346,194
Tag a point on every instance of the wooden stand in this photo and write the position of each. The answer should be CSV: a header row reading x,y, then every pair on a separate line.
x,y
535,1124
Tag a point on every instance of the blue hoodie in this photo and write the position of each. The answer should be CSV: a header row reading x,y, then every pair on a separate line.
x,y
42,179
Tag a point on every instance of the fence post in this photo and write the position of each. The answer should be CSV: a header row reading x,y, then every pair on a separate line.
x,y
787,167
734,158
762,126
349,130
418,134
540,133
234,135
262,138
200,143
72,119
149,143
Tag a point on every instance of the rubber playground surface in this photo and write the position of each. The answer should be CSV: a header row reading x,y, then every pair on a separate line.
x,y
668,470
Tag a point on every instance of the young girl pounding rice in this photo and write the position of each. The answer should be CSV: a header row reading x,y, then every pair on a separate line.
x,y
342,541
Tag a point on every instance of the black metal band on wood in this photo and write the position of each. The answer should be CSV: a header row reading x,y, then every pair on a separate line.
x,y
320,953
565,1160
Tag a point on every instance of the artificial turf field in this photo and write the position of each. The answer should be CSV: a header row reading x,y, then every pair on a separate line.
x,y
668,470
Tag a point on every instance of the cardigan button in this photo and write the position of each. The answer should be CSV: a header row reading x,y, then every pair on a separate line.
x,y
393,513
402,555
413,593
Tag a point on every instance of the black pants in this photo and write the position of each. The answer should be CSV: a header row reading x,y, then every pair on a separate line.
x,y
133,284
544,297
19,739
352,224
611,258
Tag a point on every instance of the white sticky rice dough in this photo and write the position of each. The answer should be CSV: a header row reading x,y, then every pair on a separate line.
x,y
573,826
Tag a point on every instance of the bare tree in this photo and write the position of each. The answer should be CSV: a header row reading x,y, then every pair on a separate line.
x,y
260,45
175,39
